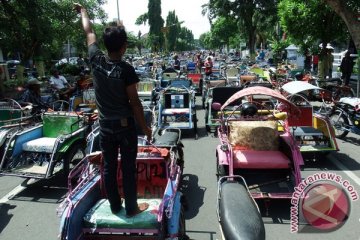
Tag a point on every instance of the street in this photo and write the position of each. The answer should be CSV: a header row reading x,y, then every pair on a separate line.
x,y
29,212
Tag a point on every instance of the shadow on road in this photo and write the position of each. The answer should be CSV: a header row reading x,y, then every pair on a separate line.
x,y
212,235
189,133
323,163
352,140
345,159
5,215
194,195
275,212
48,191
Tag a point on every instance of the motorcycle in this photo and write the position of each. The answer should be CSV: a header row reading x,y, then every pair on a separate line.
x,y
345,116
333,91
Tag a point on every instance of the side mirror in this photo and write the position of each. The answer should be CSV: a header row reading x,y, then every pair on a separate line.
x,y
216,106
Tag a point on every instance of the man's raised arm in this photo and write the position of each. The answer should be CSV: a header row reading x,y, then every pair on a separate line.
x,y
90,35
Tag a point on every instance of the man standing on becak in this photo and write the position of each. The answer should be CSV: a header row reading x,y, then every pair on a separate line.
x,y
119,107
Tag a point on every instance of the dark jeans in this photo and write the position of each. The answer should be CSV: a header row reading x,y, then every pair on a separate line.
x,y
112,137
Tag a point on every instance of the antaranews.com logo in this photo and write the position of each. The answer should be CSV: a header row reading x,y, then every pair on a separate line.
x,y
321,203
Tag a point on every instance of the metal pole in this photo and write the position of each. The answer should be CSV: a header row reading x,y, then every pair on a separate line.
x,y
118,12
358,80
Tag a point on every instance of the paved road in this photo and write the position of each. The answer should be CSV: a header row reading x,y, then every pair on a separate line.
x,y
31,213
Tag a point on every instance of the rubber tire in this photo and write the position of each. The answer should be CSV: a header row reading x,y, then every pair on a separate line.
x,y
221,170
206,118
182,226
195,120
180,161
345,122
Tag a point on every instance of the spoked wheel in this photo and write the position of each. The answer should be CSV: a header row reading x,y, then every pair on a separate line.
x,y
340,124
73,157
299,99
60,105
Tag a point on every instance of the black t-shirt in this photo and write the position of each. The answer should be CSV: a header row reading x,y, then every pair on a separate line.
x,y
110,81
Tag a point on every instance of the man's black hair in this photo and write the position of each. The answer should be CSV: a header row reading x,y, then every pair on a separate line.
x,y
114,38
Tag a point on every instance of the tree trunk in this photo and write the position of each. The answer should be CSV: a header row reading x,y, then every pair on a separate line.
x,y
252,39
40,68
20,74
349,17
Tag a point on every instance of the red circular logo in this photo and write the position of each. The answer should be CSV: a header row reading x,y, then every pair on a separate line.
x,y
325,206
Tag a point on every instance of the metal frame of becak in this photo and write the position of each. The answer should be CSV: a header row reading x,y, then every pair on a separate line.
x,y
176,106
85,214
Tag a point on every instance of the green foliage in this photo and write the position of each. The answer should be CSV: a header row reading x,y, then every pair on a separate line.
x,y
171,37
185,41
249,14
171,30
69,69
224,28
142,19
156,23
307,22
278,46
36,28
203,40
209,41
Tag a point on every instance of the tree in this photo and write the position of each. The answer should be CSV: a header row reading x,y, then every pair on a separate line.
x,y
156,23
349,11
308,22
203,40
33,28
185,40
224,28
139,43
171,30
243,12
208,41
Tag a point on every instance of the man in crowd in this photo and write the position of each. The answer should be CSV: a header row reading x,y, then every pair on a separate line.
x,y
32,95
346,68
60,84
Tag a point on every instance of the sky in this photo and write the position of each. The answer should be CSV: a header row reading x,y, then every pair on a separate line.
x,y
188,11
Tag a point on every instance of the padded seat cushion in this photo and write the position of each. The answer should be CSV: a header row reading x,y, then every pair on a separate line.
x,y
254,135
44,144
167,139
171,111
100,216
260,159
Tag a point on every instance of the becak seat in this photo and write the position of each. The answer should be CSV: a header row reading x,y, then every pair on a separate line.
x,y
255,145
54,126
